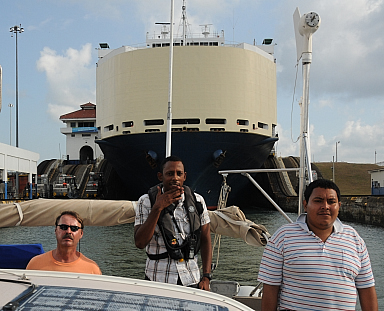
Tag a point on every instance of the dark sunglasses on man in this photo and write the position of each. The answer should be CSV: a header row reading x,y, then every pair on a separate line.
x,y
65,227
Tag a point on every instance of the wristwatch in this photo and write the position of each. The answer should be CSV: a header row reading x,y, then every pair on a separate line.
x,y
207,275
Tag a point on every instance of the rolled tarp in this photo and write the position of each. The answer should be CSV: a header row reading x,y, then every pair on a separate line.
x,y
229,221
43,212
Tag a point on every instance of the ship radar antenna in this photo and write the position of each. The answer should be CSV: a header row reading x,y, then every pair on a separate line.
x,y
305,26
206,30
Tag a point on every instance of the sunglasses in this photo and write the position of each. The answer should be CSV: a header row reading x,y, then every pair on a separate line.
x,y
65,228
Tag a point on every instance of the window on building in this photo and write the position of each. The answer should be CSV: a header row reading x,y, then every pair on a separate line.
x,y
262,125
108,128
86,124
154,122
242,122
127,124
216,121
86,135
73,124
73,135
185,121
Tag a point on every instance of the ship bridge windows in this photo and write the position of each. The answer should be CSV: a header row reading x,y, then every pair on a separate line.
x,y
185,121
262,125
215,121
153,122
204,43
242,122
127,124
108,128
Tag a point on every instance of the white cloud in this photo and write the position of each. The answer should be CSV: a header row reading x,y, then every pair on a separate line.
x,y
43,24
70,78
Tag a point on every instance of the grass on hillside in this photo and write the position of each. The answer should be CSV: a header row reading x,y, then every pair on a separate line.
x,y
351,178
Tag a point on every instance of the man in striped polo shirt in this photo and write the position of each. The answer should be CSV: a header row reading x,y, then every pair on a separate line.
x,y
317,263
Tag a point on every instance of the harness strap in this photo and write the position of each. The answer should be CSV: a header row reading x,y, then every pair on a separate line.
x,y
157,256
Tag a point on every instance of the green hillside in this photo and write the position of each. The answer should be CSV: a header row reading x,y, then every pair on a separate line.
x,y
352,178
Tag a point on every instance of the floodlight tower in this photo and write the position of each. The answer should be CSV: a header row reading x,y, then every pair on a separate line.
x,y
305,26
15,30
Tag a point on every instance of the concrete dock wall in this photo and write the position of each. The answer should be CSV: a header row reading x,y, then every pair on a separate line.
x,y
361,209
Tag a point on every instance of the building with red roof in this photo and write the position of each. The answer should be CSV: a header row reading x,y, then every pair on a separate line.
x,y
81,132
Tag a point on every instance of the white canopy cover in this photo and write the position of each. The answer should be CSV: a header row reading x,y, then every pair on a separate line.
x,y
229,221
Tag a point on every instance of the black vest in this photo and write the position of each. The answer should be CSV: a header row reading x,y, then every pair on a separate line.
x,y
167,223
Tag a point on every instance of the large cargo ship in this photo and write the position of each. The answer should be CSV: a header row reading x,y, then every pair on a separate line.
x,y
223,106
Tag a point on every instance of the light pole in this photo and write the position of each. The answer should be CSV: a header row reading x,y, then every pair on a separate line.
x,y
10,123
338,142
17,29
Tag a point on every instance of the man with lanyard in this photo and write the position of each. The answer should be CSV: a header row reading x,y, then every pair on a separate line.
x,y
317,262
171,192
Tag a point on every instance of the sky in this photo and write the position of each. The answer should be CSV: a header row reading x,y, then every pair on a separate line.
x,y
57,65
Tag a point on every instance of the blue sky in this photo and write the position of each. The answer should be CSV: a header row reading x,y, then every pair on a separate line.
x,y
57,57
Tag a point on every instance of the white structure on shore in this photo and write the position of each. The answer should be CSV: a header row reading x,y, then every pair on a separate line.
x,y
17,169
377,181
81,132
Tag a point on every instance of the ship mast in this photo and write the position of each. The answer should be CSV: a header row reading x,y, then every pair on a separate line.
x,y
184,17
305,26
168,146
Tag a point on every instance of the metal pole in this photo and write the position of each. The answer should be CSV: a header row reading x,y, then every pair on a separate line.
x,y
169,114
17,98
333,169
10,124
15,30
305,166
268,197
338,142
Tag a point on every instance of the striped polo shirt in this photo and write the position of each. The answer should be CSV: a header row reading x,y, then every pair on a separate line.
x,y
316,275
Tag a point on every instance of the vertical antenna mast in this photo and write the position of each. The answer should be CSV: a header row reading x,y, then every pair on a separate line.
x,y
184,16
169,114
305,26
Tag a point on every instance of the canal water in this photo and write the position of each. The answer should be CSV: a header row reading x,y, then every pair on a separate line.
x,y
114,250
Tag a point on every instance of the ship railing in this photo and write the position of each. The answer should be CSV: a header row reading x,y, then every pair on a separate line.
x,y
191,36
247,173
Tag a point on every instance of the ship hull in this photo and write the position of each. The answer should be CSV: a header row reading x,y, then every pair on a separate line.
x,y
128,154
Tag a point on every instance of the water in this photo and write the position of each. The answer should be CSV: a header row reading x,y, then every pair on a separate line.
x,y
114,250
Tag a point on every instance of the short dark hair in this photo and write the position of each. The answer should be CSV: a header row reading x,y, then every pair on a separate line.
x,y
171,158
73,214
321,183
